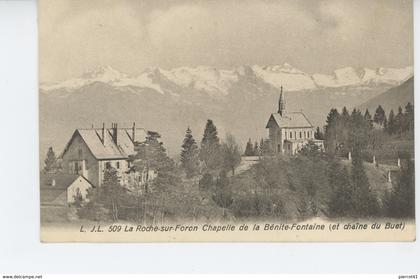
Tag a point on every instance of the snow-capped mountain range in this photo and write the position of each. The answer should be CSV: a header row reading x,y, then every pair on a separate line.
x,y
217,82
238,100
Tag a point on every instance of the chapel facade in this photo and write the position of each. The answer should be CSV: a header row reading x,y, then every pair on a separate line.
x,y
290,131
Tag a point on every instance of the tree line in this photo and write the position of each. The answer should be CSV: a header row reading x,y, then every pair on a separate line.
x,y
395,124
362,134
353,132
213,156
258,149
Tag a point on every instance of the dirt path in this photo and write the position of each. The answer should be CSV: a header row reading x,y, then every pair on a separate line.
x,y
246,163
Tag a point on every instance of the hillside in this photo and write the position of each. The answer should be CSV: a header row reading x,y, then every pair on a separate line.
x,y
393,98
263,184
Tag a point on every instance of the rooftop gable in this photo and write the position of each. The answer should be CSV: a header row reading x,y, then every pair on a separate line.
x,y
57,180
289,120
106,148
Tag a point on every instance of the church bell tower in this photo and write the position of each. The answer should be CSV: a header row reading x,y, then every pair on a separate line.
x,y
282,103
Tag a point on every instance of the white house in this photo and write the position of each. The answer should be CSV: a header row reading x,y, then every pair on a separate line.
x,y
90,151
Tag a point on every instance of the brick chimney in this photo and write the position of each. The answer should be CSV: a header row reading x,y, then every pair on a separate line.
x,y
133,135
115,132
103,133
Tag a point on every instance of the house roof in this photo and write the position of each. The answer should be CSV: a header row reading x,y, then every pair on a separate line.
x,y
289,120
50,196
53,185
108,149
61,180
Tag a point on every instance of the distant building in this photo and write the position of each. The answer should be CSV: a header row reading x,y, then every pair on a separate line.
x,y
90,152
60,189
290,131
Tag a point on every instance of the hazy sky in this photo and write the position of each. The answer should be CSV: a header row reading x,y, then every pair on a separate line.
x,y
132,35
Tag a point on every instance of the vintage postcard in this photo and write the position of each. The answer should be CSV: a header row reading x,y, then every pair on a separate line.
x,y
270,120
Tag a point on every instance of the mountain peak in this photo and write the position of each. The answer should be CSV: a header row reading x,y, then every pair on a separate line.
x,y
284,68
104,74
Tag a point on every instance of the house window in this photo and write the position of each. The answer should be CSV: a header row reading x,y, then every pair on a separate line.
x,y
108,165
295,135
291,136
300,135
118,165
278,148
76,167
80,153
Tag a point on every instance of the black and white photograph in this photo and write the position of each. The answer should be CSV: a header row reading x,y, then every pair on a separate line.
x,y
194,121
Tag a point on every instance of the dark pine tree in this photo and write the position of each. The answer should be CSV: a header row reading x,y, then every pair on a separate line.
x,y
409,116
343,133
345,118
50,161
331,131
391,123
364,200
379,116
368,119
341,202
189,155
261,147
230,153
256,149
210,148
399,122
265,147
359,133
401,201
222,193
151,155
319,135
249,150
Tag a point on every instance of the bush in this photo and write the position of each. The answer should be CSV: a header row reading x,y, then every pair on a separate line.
x,y
206,182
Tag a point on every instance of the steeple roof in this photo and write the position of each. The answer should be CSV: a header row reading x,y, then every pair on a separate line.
x,y
282,103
